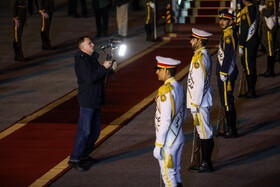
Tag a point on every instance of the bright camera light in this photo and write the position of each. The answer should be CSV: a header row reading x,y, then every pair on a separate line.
x,y
122,50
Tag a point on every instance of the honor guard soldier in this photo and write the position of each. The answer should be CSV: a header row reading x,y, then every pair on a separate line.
x,y
269,12
19,12
226,70
168,18
150,6
248,44
199,97
46,8
169,117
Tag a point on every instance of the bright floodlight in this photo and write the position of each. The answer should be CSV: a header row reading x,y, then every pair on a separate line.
x,y
122,49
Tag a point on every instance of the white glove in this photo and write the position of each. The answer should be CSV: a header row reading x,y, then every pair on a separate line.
x,y
158,152
193,109
241,51
115,65
152,5
16,22
46,15
223,78
261,7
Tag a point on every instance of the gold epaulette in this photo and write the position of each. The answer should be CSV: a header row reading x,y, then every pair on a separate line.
x,y
244,10
197,57
164,89
228,32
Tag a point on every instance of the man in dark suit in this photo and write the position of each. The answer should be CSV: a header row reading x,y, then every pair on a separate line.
x,y
90,75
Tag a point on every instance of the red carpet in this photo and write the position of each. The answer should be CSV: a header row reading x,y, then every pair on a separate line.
x,y
32,150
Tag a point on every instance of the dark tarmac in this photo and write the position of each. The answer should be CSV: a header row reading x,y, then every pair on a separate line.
x,y
126,158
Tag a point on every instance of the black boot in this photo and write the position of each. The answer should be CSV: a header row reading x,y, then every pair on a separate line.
x,y
267,67
270,64
251,81
18,52
231,117
46,43
207,146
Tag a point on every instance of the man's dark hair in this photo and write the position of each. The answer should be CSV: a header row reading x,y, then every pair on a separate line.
x,y
204,42
81,40
172,71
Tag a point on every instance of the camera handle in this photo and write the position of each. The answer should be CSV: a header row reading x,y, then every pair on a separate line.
x,y
111,71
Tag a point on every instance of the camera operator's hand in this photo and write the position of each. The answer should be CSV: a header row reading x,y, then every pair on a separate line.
x,y
115,65
107,64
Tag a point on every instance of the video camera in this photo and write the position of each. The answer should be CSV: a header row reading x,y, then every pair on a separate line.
x,y
114,44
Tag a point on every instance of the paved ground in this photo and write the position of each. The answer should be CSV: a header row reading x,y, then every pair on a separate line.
x,y
126,157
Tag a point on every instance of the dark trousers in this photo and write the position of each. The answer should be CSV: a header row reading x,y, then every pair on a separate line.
x,y
101,18
248,61
226,95
45,31
17,40
89,127
72,9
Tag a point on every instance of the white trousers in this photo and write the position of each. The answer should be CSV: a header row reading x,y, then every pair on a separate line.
x,y
171,176
122,19
204,129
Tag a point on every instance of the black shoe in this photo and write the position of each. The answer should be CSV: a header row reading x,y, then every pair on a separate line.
x,y
251,94
204,167
76,165
88,161
179,184
270,74
220,134
231,134
193,169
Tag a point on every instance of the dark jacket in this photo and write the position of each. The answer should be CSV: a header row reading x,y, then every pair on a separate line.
x,y
248,15
90,75
99,4
121,2
19,9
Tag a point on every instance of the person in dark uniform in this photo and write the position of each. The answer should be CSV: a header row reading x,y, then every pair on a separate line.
x,y
226,70
150,6
91,95
248,44
46,8
101,9
269,12
19,13
168,18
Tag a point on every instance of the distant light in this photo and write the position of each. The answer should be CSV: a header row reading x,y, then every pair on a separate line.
x,y
179,2
122,50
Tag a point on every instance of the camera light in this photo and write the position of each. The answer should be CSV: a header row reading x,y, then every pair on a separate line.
x,y
122,49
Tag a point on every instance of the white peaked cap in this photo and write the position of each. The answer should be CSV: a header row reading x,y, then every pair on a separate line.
x,y
163,62
197,33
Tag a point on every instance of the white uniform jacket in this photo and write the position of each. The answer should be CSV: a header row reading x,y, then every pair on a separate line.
x,y
199,91
170,96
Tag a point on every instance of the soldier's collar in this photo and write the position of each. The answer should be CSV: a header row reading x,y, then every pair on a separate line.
x,y
229,27
200,49
169,80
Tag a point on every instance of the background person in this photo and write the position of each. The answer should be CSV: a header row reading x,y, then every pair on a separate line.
x,y
122,16
46,8
248,44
